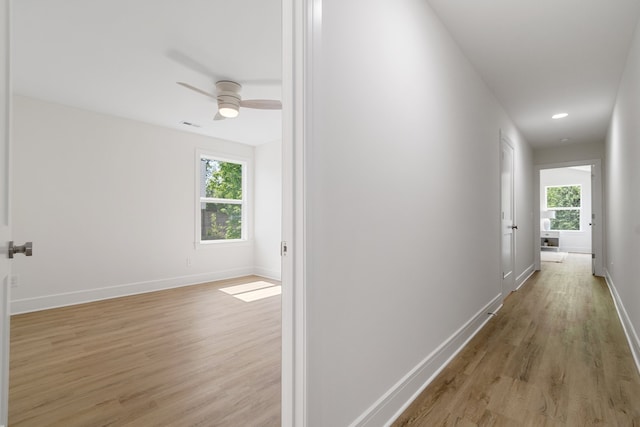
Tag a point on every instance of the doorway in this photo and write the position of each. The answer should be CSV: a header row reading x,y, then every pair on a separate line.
x,y
570,212
191,261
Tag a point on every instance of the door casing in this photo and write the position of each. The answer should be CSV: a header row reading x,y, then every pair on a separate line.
x,y
597,211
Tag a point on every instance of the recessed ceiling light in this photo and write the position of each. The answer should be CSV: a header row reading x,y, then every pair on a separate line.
x,y
559,116
564,140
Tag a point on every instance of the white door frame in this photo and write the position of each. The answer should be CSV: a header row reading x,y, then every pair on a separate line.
x,y
5,195
300,31
597,230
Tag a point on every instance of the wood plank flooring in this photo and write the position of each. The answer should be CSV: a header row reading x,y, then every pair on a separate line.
x,y
555,355
191,356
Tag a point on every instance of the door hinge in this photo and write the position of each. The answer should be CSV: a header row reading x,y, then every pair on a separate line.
x,y
283,248
593,256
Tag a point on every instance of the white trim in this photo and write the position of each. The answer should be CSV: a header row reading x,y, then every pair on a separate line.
x,y
27,305
627,326
5,216
300,30
522,278
597,205
393,403
575,249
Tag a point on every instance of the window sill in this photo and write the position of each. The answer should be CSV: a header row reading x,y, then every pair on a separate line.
x,y
217,243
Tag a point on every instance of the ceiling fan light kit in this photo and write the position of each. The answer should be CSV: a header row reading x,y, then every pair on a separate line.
x,y
230,101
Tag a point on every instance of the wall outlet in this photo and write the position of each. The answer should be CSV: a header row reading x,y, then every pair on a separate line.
x,y
15,281
189,262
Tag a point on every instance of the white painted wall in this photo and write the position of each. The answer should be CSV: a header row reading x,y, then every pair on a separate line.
x,y
622,198
524,204
568,153
110,206
571,241
268,209
402,227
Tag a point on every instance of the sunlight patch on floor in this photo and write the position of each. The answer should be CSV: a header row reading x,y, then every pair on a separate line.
x,y
253,291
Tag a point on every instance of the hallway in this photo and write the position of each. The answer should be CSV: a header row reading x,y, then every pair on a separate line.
x,y
554,355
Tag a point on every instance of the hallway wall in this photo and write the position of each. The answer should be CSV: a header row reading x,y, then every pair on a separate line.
x,y
622,198
403,210
568,153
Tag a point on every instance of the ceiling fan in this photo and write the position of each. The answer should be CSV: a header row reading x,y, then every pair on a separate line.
x,y
230,101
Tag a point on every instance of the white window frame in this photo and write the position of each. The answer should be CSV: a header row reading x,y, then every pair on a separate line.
x,y
245,162
579,209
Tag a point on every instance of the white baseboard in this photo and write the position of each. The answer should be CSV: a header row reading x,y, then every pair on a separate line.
x,y
391,405
521,279
269,274
27,305
629,330
575,249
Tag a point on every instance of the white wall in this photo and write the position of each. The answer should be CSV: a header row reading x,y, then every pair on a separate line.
x,y
622,198
568,153
268,209
402,192
524,206
109,204
571,241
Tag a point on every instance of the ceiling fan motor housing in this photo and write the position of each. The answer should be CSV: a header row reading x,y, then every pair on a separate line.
x,y
228,94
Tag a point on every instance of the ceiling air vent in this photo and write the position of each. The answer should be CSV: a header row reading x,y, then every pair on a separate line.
x,y
190,124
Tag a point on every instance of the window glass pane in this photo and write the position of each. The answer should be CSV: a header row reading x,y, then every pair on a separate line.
x,y
220,221
222,180
567,196
566,220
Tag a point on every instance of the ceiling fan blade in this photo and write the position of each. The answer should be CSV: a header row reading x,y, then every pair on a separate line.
x,y
219,116
261,104
188,86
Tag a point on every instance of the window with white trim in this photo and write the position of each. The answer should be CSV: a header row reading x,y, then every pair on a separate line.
x,y
222,203
566,201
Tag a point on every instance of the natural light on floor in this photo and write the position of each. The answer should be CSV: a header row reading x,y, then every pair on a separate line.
x,y
253,291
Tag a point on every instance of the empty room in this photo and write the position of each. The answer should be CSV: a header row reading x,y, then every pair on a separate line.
x,y
152,291
320,213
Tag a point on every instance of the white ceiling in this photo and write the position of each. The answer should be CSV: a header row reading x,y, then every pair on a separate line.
x,y
124,57
542,57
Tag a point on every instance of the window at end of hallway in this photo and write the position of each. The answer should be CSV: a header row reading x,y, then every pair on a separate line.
x,y
566,201
222,206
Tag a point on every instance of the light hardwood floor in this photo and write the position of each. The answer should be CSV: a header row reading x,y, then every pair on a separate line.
x,y
192,356
555,355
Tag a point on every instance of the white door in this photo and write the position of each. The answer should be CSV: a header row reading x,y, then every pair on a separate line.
x,y
5,227
507,217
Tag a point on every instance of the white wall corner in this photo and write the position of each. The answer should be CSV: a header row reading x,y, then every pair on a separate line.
x,y
391,405
629,330
522,278
268,273
27,305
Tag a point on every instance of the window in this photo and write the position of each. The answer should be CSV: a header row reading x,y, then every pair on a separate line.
x,y
222,199
566,201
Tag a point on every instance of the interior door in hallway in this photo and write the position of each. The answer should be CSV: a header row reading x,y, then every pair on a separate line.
x,y
5,229
507,217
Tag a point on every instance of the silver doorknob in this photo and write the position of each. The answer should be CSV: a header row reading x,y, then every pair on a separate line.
x,y
26,249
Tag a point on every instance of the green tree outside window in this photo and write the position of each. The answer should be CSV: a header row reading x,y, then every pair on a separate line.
x,y
566,201
221,203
